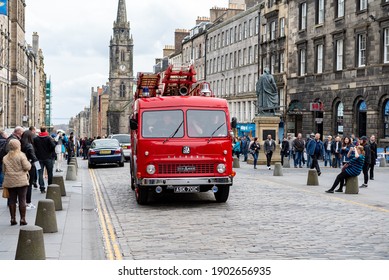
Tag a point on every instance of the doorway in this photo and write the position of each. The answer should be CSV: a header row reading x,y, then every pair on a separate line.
x,y
362,118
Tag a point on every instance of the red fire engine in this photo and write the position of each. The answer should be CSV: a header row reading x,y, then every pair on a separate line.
x,y
181,137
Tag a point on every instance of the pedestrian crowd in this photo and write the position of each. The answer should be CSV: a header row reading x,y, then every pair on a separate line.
x,y
350,154
27,160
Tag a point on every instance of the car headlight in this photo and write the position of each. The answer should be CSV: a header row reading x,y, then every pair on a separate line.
x,y
221,168
150,169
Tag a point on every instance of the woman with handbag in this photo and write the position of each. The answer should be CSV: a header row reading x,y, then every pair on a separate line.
x,y
254,150
351,169
15,168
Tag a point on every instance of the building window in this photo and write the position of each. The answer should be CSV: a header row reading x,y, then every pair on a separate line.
x,y
386,45
386,119
245,30
239,85
264,33
250,84
250,54
340,9
361,48
319,59
362,5
272,64
319,11
256,27
273,30
303,16
122,90
244,84
244,56
339,55
250,27
282,27
339,118
240,32
302,59
239,58
281,63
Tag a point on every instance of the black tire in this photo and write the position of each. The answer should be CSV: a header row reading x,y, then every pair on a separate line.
x,y
222,194
141,195
121,164
90,165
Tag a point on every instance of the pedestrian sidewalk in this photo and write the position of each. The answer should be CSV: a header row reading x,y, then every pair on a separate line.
x,y
75,222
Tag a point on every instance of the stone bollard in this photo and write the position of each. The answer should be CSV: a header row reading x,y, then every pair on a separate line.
x,y
45,216
286,163
75,166
54,193
277,169
58,180
30,244
313,179
383,162
236,163
73,159
352,185
71,173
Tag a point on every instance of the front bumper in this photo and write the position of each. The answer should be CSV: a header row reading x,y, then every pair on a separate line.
x,y
186,181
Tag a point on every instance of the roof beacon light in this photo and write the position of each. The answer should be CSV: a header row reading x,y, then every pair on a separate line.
x,y
146,92
206,91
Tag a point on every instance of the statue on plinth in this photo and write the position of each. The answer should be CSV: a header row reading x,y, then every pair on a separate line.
x,y
267,94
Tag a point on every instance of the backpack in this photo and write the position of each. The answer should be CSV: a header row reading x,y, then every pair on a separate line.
x,y
3,149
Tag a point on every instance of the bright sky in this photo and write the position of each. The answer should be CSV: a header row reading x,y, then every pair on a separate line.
x,y
75,41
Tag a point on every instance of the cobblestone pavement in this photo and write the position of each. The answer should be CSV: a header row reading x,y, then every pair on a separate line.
x,y
265,217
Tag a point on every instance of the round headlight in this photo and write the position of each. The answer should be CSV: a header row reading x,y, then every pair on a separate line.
x,y
221,168
150,169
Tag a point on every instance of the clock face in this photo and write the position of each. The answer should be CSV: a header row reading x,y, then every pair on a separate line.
x,y
122,67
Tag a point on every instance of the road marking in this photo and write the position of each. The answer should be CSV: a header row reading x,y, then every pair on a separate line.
x,y
113,250
329,196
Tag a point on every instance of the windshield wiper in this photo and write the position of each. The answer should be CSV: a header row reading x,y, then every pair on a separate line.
x,y
213,133
174,133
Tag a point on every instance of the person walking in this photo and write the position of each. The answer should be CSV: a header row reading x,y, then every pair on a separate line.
x,y
298,147
315,150
351,169
364,142
284,149
373,157
269,147
70,148
16,167
327,151
58,151
336,151
254,150
245,147
44,148
3,143
28,149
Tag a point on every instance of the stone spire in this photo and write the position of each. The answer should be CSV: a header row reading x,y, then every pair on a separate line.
x,y
122,12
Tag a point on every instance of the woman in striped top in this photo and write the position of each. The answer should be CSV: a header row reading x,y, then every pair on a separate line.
x,y
352,169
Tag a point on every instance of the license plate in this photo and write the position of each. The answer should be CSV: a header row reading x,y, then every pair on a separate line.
x,y
105,152
188,189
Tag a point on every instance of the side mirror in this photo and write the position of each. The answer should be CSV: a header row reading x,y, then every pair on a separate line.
x,y
233,122
133,124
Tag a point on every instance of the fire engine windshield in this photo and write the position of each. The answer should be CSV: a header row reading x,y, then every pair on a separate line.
x,y
206,123
163,124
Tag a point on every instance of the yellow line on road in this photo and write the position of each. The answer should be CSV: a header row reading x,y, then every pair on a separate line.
x,y
113,250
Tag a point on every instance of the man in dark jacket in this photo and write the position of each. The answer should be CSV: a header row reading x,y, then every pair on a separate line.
x,y
315,150
269,147
3,142
44,148
373,152
364,141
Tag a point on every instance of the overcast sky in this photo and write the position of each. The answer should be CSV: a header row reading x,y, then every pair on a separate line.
x,y
74,37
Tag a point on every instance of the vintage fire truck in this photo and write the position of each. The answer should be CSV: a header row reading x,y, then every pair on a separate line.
x,y
181,137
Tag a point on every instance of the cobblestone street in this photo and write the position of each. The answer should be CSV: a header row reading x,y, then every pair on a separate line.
x,y
265,217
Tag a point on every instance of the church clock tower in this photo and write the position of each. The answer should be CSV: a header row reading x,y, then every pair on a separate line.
x,y
121,74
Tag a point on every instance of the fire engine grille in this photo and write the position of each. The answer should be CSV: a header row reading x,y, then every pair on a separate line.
x,y
198,168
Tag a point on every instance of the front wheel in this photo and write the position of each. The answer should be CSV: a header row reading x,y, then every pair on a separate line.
x,y
222,194
141,195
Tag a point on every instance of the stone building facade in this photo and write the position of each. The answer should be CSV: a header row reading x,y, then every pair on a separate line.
x,y
121,74
338,68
